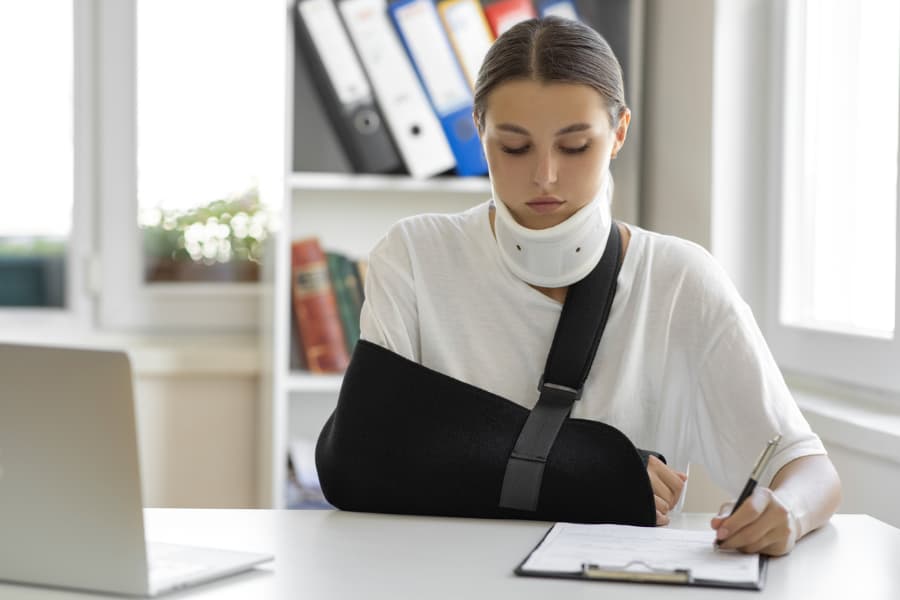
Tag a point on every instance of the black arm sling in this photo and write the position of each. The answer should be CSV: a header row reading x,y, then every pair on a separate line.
x,y
406,439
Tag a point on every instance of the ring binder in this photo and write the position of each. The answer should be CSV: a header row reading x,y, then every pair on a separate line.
x,y
345,90
422,34
409,116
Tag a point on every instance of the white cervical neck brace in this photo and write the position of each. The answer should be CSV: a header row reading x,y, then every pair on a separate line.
x,y
560,255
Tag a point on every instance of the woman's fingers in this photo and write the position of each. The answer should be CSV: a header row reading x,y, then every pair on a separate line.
x,y
661,505
666,483
661,519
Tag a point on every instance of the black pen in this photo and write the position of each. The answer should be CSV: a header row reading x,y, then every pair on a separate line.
x,y
761,463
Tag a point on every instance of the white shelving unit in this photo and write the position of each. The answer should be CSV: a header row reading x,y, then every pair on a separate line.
x,y
349,214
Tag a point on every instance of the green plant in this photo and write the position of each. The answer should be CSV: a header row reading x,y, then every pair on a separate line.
x,y
222,231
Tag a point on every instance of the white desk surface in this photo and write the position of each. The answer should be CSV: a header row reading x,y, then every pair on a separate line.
x,y
337,555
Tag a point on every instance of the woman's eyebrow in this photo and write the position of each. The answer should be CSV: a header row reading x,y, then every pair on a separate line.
x,y
512,128
522,131
573,128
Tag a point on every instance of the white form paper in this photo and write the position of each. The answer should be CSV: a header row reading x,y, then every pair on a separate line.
x,y
568,546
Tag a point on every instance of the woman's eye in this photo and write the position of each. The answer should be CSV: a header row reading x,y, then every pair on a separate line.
x,y
518,150
577,150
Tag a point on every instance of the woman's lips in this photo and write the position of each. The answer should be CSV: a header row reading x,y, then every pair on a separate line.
x,y
544,205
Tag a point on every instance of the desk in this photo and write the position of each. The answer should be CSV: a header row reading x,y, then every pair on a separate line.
x,y
327,555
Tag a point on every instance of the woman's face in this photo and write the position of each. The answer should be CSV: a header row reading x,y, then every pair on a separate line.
x,y
548,147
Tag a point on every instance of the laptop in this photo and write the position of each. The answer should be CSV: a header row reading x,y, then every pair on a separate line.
x,y
70,488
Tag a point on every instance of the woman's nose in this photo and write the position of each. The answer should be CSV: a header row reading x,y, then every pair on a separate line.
x,y
545,170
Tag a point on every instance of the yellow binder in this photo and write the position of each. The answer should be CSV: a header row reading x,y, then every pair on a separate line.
x,y
469,33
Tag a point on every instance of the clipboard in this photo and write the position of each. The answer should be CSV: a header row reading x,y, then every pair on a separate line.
x,y
637,569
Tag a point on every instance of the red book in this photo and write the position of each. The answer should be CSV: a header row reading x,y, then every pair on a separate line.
x,y
505,13
316,309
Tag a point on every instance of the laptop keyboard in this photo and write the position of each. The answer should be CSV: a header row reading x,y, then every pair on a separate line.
x,y
166,564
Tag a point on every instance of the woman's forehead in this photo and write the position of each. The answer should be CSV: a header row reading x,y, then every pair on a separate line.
x,y
527,101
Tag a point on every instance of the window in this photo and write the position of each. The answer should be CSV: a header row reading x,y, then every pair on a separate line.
x,y
836,303
192,97
36,152
206,135
46,161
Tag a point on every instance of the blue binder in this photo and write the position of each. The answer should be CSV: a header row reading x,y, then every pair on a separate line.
x,y
419,27
559,8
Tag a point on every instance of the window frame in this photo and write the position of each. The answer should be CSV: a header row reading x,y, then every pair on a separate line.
x,y
857,360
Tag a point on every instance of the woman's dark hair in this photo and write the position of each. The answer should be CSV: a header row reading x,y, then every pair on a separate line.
x,y
552,49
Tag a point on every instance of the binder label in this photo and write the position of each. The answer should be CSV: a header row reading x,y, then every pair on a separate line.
x,y
435,60
328,35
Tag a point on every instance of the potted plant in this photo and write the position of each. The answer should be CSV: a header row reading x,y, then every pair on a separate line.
x,y
221,241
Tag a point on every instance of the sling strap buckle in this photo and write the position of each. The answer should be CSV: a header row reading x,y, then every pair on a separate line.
x,y
544,387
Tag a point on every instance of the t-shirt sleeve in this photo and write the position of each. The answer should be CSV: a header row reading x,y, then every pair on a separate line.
x,y
389,314
743,402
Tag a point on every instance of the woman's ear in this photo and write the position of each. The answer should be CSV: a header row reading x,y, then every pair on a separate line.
x,y
621,132
477,125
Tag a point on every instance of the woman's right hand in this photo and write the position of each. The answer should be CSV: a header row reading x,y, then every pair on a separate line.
x,y
667,485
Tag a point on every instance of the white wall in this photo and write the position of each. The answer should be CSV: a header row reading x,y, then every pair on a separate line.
x,y
197,438
677,119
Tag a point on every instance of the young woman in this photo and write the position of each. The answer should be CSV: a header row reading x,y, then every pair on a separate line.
x,y
682,368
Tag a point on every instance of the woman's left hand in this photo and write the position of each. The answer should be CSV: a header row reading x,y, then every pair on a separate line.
x,y
763,523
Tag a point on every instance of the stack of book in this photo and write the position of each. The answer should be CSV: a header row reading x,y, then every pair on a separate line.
x,y
326,297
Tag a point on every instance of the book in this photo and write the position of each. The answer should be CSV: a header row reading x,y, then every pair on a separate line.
x,y
346,291
295,356
316,309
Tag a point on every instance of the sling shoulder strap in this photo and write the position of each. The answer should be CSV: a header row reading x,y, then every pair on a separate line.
x,y
581,324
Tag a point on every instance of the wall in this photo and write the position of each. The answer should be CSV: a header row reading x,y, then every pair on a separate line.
x,y
197,409
677,119
197,439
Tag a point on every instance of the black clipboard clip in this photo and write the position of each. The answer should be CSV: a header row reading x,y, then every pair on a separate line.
x,y
646,573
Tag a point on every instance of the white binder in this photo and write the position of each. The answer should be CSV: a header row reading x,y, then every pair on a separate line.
x,y
346,94
410,118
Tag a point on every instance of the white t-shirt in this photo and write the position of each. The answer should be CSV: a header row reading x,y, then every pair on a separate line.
x,y
682,367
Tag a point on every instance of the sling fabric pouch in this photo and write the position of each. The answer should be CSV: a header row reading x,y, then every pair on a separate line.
x,y
410,440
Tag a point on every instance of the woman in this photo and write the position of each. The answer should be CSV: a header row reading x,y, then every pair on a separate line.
x,y
682,367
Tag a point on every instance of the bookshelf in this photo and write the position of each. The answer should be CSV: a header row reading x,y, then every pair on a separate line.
x,y
349,213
